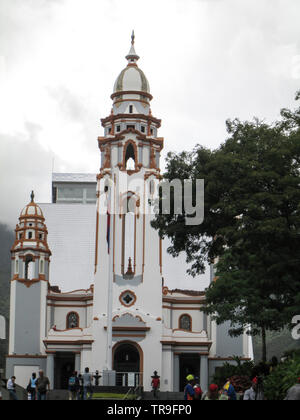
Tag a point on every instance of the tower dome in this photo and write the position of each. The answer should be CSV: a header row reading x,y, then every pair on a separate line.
x,y
32,210
132,80
31,232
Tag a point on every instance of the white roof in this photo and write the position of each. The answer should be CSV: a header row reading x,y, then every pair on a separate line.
x,y
67,177
71,239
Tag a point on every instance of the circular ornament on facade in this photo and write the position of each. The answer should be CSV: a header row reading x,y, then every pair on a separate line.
x,y
127,298
165,291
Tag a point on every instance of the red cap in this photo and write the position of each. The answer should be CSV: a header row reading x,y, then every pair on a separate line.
x,y
213,387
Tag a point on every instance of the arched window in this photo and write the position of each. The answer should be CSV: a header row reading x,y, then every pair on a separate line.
x,y
29,268
72,320
130,157
42,267
128,235
17,267
185,322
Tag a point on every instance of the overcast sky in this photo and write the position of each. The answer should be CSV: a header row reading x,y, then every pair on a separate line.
x,y
206,61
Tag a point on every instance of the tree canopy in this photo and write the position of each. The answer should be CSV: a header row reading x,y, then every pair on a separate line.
x,y
251,224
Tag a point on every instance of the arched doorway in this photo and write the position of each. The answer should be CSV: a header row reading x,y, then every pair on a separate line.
x,y
127,359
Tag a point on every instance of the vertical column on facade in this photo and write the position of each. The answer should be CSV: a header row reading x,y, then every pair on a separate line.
x,y
78,362
176,376
50,369
204,372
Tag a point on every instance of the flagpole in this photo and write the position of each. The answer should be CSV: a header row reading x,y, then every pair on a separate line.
x,y
110,282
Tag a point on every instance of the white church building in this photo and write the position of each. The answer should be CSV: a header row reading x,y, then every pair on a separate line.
x,y
122,316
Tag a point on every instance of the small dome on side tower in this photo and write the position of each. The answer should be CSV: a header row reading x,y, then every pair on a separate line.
x,y
31,232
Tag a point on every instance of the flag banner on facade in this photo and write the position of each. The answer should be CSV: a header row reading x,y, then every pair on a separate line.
x,y
108,220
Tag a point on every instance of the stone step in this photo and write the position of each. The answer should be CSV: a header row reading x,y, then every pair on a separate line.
x,y
111,389
167,396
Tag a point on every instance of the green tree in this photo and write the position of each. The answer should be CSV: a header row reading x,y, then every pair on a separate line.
x,y
251,225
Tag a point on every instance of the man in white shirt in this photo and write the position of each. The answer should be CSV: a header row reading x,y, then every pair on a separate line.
x,y
255,393
11,387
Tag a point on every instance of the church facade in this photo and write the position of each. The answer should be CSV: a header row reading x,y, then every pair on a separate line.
x,y
151,327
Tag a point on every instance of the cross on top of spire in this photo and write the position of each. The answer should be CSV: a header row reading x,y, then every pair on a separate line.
x,y
132,56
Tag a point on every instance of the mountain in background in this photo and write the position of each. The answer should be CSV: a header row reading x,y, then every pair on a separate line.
x,y
277,344
6,242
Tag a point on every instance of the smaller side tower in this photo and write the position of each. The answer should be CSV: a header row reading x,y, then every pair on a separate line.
x,y
30,257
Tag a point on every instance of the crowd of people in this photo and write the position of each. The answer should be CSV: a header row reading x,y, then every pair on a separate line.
x,y
193,391
80,387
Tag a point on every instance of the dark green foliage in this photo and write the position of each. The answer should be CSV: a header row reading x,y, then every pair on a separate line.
x,y
241,370
282,378
252,223
6,241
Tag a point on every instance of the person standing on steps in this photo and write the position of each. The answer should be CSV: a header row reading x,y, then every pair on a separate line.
x,y
74,386
155,383
11,387
189,392
32,387
87,384
42,386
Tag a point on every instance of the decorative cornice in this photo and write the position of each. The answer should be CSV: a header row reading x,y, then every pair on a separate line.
x,y
113,117
131,92
143,329
70,298
69,342
187,344
25,356
29,283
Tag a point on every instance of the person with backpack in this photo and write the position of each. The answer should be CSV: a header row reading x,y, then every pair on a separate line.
x,y
198,390
189,393
155,383
31,388
74,386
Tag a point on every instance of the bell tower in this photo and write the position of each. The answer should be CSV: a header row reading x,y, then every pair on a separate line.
x,y
130,157
30,257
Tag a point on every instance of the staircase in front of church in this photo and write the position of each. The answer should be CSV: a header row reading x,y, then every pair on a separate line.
x,y
165,396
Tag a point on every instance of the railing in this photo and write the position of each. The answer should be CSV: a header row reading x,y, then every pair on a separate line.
x,y
136,393
125,379
130,379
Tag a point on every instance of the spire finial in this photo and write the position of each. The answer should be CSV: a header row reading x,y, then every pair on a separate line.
x,y
132,56
32,196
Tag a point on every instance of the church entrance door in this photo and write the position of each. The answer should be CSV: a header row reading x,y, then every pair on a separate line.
x,y
64,366
127,365
189,365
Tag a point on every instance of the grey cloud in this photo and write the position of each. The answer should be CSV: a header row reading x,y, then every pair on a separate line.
x,y
20,24
70,104
24,166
